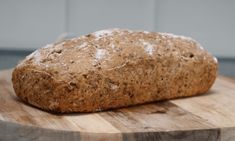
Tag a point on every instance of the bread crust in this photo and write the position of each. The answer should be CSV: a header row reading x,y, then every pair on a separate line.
x,y
113,68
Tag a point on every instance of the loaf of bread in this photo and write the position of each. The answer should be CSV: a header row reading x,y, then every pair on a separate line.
x,y
113,68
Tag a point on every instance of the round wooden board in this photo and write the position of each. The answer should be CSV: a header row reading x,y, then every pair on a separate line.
x,y
209,117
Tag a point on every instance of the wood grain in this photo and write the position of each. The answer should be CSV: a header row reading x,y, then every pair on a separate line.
x,y
209,117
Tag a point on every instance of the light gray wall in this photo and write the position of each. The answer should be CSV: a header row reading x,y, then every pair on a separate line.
x,y
212,22
28,24
91,15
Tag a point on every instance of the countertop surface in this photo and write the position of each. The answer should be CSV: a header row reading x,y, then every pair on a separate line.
x,y
9,59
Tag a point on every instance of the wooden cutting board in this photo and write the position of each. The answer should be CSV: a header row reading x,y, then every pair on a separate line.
x,y
209,117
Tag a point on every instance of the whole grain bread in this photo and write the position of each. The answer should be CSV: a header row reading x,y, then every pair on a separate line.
x,y
113,68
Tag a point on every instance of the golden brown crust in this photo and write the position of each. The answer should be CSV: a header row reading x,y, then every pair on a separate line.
x,y
113,68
